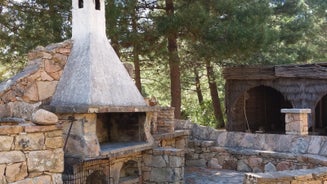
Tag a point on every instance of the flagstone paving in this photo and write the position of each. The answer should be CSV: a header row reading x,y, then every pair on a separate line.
x,y
199,175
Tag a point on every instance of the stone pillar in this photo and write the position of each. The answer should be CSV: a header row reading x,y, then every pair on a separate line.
x,y
165,120
296,121
82,139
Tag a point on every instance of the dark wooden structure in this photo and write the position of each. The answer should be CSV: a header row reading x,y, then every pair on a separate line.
x,y
255,95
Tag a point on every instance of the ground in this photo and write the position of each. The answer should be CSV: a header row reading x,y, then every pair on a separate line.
x,y
199,175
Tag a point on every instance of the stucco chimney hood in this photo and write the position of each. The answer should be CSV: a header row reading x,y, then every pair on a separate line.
x,y
94,76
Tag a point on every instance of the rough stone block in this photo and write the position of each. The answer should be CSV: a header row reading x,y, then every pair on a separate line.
x,y
11,157
31,129
181,143
196,163
270,167
57,179
5,111
300,145
243,167
284,165
46,89
6,143
175,161
31,141
214,164
43,117
86,145
255,162
9,96
15,172
36,180
55,142
60,58
51,66
57,133
46,161
147,159
161,175
56,75
31,94
45,76
159,161
10,130
178,174
23,110
2,173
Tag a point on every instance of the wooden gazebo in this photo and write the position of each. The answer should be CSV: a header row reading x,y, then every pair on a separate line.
x,y
255,95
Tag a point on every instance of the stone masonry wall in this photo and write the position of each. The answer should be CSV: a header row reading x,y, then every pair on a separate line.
x,y
31,152
257,153
31,143
164,165
38,81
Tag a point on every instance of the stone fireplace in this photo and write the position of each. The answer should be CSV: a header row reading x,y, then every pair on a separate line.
x,y
105,134
97,99
104,115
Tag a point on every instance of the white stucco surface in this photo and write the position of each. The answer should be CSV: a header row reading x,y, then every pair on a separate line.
x,y
94,75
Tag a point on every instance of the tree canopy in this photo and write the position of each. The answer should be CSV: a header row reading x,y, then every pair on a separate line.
x,y
178,46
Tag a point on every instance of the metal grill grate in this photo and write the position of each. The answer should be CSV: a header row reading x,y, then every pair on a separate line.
x,y
87,172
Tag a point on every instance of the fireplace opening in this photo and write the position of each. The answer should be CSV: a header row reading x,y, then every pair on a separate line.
x,y
129,172
118,130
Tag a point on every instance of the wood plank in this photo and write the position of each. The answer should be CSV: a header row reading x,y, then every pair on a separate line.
x,y
246,73
316,71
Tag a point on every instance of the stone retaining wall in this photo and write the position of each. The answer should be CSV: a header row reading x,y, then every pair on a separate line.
x,y
206,154
31,154
263,154
296,144
31,144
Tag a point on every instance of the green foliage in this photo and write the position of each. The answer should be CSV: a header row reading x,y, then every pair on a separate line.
x,y
27,24
232,32
300,26
201,114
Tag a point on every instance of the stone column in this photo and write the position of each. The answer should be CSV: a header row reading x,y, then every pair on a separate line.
x,y
296,121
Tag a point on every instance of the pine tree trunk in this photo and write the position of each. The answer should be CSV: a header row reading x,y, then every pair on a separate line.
x,y
174,65
137,74
215,96
198,86
136,59
113,38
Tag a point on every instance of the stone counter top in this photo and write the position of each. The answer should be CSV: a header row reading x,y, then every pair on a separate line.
x,y
176,133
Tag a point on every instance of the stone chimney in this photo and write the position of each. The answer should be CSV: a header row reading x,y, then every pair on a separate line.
x,y
94,75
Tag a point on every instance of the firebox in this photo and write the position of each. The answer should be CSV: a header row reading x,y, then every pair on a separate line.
x,y
104,132
115,130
